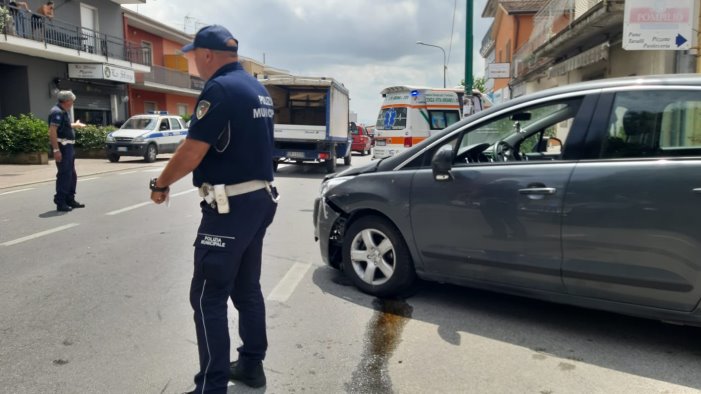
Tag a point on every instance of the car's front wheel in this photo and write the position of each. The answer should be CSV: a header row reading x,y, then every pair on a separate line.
x,y
113,157
151,153
376,258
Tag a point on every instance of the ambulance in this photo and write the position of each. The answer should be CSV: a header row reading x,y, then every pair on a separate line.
x,y
411,114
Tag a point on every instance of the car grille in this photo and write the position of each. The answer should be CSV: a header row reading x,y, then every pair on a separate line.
x,y
123,139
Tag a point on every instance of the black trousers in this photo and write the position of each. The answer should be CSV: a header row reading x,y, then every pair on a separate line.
x,y
228,254
66,177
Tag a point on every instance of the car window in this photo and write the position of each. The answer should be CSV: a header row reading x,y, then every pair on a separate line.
x,y
164,125
653,124
441,119
534,133
541,136
139,124
175,124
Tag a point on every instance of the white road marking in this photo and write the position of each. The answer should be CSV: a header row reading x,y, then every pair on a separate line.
x,y
128,172
37,235
159,169
88,179
117,212
289,282
143,204
183,193
16,191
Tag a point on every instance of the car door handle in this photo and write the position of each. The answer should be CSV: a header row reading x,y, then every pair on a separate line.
x,y
540,191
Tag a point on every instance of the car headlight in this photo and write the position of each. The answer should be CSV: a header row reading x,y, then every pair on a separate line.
x,y
110,138
329,184
139,138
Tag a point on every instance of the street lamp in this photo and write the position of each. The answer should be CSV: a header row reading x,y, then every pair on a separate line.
x,y
445,66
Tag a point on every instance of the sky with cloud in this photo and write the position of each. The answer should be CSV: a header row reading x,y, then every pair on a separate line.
x,y
365,44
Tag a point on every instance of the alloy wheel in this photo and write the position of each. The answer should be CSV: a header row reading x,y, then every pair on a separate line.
x,y
373,257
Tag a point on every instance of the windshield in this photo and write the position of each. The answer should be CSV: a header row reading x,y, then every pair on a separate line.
x,y
139,124
391,119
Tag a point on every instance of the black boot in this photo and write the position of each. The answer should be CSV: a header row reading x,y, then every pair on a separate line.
x,y
249,373
64,208
75,204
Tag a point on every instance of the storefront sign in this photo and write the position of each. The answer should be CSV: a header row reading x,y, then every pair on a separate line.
x,y
101,71
499,70
658,24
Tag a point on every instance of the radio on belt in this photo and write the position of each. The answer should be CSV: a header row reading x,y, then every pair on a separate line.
x,y
221,198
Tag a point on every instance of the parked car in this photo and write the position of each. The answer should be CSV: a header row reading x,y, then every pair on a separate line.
x,y
371,133
587,194
146,135
361,140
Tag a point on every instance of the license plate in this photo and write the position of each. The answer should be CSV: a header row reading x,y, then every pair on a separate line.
x,y
296,155
121,149
380,143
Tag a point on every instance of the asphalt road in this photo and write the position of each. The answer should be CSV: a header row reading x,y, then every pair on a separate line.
x,y
96,301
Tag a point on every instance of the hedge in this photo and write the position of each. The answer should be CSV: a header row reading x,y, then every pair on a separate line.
x,y
23,134
28,134
92,137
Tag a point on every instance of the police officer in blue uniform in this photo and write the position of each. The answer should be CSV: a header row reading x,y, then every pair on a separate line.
x,y
62,138
229,149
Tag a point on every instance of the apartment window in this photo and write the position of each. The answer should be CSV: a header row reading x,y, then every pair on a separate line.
x,y
150,106
182,109
148,50
90,27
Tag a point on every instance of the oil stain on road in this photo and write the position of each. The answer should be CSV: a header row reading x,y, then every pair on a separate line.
x,y
383,335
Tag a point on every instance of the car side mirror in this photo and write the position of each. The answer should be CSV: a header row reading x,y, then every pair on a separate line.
x,y
442,163
554,145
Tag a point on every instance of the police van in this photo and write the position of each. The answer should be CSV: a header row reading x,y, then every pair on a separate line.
x,y
146,135
411,114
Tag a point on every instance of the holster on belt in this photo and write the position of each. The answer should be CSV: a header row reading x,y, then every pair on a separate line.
x,y
217,196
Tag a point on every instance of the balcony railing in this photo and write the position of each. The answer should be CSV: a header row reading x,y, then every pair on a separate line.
x,y
31,26
169,77
554,17
165,76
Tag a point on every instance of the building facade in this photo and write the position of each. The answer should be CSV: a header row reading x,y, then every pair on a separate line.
x,y
510,30
82,48
173,83
581,40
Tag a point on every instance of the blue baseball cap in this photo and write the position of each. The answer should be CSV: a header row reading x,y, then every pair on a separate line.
x,y
213,37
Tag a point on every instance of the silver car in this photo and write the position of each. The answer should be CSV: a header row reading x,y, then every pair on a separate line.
x,y
589,194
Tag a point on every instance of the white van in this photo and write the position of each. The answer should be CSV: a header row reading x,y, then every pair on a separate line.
x,y
410,114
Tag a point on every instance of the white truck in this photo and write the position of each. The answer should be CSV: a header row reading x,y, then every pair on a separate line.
x,y
311,120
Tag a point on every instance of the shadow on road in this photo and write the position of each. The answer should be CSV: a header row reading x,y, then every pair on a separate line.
x,y
51,214
626,344
304,170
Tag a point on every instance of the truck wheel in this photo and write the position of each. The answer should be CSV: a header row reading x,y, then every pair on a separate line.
x,y
275,164
330,163
113,157
151,153
347,159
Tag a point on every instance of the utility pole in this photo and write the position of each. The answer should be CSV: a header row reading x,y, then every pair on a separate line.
x,y
467,98
468,49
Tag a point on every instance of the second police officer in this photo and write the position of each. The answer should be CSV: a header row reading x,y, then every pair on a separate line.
x,y
229,149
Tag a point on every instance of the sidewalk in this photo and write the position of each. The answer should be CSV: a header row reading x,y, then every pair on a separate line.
x,y
16,175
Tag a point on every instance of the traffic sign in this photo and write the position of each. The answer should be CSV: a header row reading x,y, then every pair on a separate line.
x,y
658,24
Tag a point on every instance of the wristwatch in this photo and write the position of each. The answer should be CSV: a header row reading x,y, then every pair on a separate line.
x,y
57,150
153,187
